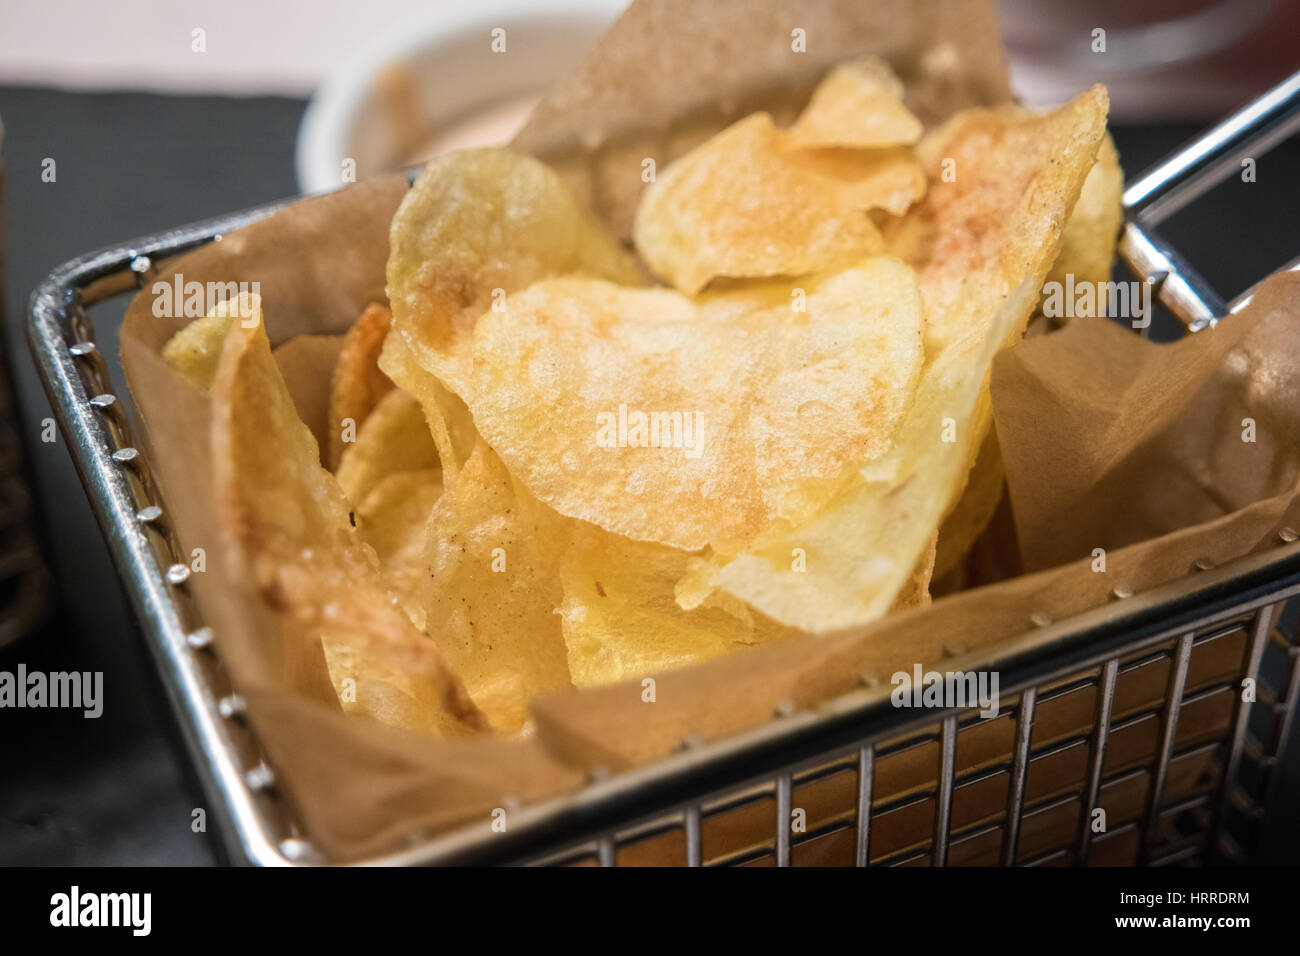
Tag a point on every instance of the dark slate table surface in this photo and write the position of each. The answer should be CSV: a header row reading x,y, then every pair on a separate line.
x,y
119,789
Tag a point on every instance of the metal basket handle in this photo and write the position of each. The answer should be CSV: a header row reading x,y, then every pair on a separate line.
x,y
1183,177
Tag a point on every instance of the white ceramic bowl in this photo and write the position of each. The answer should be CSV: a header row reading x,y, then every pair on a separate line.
x,y
435,82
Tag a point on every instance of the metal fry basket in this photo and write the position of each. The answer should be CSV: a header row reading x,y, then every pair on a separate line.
x,y
1134,708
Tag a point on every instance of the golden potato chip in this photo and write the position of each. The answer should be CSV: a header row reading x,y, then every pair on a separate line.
x,y
978,504
986,242
371,685
393,514
848,564
477,225
1092,232
492,588
746,205
858,105
621,621
395,437
984,165
358,383
690,422
453,432
291,539
393,519
974,509
916,589
993,157
195,350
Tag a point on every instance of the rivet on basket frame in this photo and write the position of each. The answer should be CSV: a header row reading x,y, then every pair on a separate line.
x,y
598,774
178,574
869,680
260,778
1288,535
1121,591
82,349
1039,619
784,708
298,850
143,268
417,836
1202,564
691,742
200,639
231,706
104,400
148,514
131,458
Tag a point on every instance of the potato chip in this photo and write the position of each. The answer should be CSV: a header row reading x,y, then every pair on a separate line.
x,y
848,564
393,519
290,537
1091,234
1087,255
746,205
974,509
492,588
690,422
985,164
358,383
621,621
395,437
858,105
450,426
479,224
983,244
371,685
992,157
195,350
393,514
916,589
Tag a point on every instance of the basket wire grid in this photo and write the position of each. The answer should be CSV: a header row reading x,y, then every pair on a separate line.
x,y
1177,792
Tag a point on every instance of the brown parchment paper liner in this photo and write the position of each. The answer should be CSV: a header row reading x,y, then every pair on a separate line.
x,y
361,788
305,361
1157,432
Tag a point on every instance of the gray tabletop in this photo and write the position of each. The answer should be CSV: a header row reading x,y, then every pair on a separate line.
x,y
118,789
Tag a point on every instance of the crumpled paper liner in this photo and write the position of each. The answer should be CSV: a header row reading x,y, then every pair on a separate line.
x,y
360,788
305,361
1155,431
